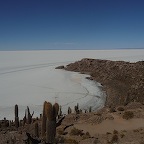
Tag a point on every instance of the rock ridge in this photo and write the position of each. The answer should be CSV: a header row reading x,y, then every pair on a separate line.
x,y
122,81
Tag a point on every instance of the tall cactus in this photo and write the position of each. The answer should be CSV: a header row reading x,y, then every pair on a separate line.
x,y
36,129
28,116
49,111
43,121
55,109
90,109
49,121
16,116
50,131
69,110
76,108
60,112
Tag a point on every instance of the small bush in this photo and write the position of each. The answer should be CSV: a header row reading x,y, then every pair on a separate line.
x,y
60,131
70,141
114,138
96,141
75,131
124,131
61,139
120,109
115,132
98,114
112,109
128,115
108,133
135,130
86,135
122,135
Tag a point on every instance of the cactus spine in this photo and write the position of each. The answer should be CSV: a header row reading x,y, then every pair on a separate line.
x,y
16,116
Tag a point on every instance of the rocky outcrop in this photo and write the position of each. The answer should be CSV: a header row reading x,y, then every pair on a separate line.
x,y
123,81
60,67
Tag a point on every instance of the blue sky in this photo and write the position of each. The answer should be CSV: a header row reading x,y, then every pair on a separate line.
x,y
71,24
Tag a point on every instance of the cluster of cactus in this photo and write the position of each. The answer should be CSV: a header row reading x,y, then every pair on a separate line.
x,y
28,116
49,115
16,116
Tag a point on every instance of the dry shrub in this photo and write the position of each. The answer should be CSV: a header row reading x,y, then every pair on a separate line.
x,y
60,131
98,114
120,109
59,139
96,141
122,135
70,141
135,130
128,115
114,138
86,135
108,133
75,131
112,109
115,132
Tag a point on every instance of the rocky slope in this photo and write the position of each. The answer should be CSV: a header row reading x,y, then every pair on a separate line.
x,y
122,81
121,125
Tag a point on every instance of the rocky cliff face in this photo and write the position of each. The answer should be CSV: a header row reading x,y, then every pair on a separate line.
x,y
123,81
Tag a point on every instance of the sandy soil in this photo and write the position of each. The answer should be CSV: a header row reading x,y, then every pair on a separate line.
x,y
111,125
104,126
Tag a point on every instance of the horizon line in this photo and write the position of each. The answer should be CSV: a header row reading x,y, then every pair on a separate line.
x,y
66,49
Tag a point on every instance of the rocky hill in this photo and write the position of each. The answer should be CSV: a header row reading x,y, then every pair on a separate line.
x,y
122,81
